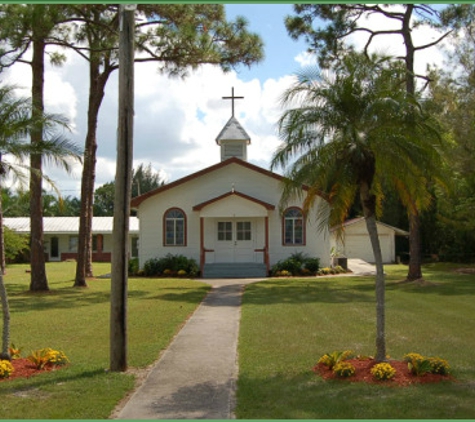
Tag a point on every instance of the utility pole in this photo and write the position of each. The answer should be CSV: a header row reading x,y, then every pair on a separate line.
x,y
123,187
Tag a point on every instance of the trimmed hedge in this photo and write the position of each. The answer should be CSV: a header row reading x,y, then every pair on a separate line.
x,y
171,266
297,264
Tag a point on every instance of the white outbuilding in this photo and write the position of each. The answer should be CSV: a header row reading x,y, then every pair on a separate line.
x,y
355,241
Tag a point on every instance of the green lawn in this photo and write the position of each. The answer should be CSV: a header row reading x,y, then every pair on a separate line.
x,y
76,321
288,324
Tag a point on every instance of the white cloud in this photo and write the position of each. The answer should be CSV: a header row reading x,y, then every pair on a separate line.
x,y
305,59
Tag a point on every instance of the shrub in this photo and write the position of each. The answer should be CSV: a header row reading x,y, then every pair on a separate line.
x,y
325,271
297,264
344,369
16,245
383,371
409,357
439,366
283,273
312,265
15,352
418,364
133,266
152,268
173,263
6,368
331,359
41,358
339,270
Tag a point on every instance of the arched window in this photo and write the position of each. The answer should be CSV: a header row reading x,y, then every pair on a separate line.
x,y
293,227
174,223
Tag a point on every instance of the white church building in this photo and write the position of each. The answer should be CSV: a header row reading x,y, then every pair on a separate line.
x,y
227,216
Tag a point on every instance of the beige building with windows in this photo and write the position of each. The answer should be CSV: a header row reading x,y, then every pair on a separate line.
x,y
61,236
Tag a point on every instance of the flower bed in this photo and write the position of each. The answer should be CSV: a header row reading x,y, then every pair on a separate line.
x,y
363,367
23,368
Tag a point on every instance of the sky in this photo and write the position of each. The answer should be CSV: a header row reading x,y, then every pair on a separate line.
x,y
177,120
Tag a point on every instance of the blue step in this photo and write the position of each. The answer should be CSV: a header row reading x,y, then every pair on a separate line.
x,y
230,270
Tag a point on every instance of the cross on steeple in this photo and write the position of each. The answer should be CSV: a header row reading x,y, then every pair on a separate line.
x,y
232,98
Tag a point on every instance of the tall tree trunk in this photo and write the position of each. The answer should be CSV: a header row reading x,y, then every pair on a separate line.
x,y
123,187
3,264
96,95
39,281
415,261
6,320
368,204
4,354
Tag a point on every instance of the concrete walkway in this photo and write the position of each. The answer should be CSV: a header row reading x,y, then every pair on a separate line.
x,y
195,377
360,267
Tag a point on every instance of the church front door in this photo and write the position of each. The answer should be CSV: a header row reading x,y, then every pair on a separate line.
x,y
235,241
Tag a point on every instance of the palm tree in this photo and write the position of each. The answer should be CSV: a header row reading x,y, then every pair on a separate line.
x,y
16,122
343,134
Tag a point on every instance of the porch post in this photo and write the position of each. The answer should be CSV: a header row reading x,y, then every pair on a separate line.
x,y
100,242
266,248
202,246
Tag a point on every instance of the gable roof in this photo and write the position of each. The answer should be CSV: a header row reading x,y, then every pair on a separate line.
x,y
68,225
361,220
233,160
233,131
228,194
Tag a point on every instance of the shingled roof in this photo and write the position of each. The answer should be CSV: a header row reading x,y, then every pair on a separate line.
x,y
233,131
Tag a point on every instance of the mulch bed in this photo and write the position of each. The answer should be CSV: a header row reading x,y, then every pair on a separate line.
x,y
363,367
23,368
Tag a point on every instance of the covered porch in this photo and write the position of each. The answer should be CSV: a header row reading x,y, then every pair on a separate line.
x,y
234,236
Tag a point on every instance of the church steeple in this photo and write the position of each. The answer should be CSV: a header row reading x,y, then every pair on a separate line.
x,y
233,139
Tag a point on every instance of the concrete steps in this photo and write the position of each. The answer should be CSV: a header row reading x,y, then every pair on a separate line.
x,y
240,270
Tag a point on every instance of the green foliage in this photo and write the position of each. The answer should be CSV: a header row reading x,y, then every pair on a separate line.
x,y
104,199
17,204
42,357
133,266
439,366
331,270
15,352
170,265
297,264
331,359
145,179
383,371
344,369
420,365
15,244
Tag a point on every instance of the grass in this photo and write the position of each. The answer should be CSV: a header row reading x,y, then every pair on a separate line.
x,y
288,324
76,321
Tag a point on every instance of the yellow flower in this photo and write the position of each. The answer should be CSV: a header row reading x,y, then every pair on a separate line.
x,y
6,368
383,371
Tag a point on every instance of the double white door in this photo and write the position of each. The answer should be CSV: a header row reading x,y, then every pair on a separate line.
x,y
235,240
